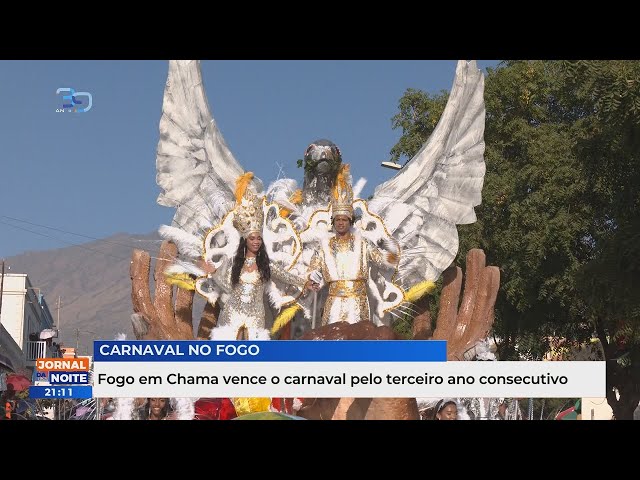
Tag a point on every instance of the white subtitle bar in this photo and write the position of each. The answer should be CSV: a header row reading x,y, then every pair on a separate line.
x,y
350,379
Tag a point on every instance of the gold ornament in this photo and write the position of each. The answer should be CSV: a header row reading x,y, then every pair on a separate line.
x,y
248,217
342,195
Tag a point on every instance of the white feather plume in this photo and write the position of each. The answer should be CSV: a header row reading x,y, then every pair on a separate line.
x,y
280,257
275,297
184,407
188,244
280,192
208,289
213,297
314,235
282,188
220,205
180,266
307,305
357,188
124,409
295,210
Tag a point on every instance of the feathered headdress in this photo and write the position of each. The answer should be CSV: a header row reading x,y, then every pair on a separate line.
x,y
248,217
342,195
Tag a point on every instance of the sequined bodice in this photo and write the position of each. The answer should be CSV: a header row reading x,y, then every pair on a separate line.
x,y
248,285
245,305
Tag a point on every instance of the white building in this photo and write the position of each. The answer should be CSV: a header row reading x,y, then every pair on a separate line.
x,y
596,409
26,323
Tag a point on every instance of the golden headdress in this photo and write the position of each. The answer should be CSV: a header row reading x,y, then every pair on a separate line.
x,y
342,194
248,217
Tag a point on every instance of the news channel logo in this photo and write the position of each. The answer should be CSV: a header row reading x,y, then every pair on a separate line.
x,y
62,378
71,102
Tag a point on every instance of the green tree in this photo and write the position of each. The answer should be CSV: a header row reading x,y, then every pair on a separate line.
x,y
418,116
608,282
560,206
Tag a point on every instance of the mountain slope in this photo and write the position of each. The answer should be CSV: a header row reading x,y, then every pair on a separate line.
x,y
92,281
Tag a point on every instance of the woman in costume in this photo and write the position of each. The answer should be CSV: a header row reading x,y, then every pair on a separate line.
x,y
126,408
246,276
235,267
235,264
157,409
446,409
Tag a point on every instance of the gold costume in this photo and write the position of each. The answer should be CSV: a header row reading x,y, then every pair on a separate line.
x,y
344,262
344,265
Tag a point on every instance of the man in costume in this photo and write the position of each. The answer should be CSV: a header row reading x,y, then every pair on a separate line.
x,y
344,261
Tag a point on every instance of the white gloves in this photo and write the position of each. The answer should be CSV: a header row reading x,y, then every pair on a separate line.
x,y
316,277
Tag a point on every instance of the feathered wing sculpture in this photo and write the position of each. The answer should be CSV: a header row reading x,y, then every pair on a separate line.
x,y
440,186
193,163
184,408
200,177
414,215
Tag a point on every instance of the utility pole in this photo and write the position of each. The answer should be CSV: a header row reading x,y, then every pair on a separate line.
x,y
58,306
78,332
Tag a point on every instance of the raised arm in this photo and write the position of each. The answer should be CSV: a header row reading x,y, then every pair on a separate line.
x,y
287,278
220,276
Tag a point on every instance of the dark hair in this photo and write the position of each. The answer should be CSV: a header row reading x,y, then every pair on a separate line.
x,y
146,410
262,260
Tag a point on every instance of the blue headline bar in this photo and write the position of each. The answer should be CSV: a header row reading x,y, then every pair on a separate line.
x,y
270,351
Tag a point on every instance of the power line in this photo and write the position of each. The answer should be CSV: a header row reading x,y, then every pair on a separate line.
x,y
69,233
74,244
61,240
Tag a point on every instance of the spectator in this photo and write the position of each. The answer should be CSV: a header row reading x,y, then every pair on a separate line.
x,y
446,409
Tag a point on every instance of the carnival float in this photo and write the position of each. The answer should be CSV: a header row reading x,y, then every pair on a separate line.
x,y
411,220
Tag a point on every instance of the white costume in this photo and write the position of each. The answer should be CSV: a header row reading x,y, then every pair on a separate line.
x,y
243,314
344,264
244,308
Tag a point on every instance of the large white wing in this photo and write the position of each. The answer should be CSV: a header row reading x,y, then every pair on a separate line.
x,y
193,163
440,186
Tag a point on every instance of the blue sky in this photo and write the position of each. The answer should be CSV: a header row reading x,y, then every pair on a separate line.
x,y
93,173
